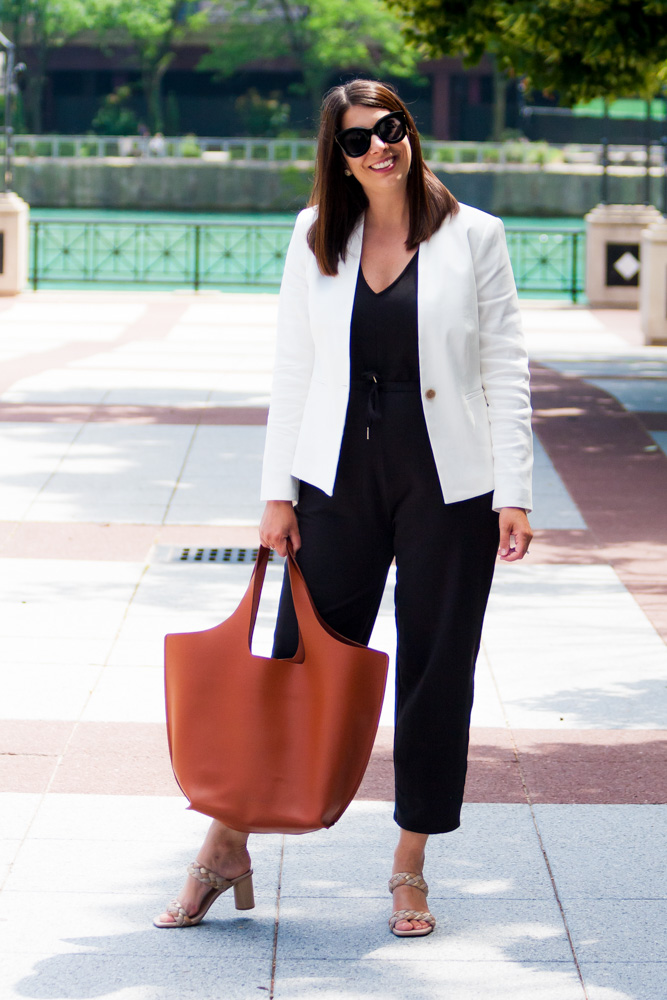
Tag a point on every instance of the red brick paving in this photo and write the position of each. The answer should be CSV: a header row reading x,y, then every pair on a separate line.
x,y
67,413
572,766
606,459
116,542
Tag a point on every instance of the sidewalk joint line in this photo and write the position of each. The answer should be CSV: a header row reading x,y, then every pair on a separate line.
x,y
276,925
51,476
552,879
186,457
529,801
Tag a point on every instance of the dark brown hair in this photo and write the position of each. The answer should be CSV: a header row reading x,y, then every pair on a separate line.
x,y
341,200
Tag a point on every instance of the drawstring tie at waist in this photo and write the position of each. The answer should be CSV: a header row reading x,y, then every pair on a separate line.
x,y
371,382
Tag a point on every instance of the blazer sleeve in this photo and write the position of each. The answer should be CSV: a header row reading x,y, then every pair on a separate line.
x,y
292,370
504,369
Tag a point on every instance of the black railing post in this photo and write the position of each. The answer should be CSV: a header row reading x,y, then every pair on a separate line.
x,y
35,255
575,266
197,241
664,175
604,184
647,172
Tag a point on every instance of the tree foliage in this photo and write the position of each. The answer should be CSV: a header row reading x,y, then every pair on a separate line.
x,y
43,25
151,27
318,37
579,49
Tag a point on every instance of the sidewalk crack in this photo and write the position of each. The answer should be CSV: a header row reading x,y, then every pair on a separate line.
x,y
276,927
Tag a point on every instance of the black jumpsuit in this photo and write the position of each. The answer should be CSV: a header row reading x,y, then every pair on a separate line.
x,y
387,502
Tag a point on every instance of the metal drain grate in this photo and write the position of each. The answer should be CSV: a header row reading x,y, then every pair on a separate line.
x,y
193,554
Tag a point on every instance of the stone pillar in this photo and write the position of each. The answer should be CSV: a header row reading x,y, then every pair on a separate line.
x,y
653,288
613,256
13,243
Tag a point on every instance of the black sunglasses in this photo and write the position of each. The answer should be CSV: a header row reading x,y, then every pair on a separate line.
x,y
357,141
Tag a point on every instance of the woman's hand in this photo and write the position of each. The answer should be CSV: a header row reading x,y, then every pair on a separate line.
x,y
277,525
513,524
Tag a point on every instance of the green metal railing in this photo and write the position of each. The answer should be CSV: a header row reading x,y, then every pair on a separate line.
x,y
547,261
166,254
116,254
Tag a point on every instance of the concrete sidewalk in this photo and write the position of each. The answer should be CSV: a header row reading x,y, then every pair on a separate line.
x,y
131,429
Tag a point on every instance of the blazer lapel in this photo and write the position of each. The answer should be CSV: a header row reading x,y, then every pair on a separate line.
x,y
334,301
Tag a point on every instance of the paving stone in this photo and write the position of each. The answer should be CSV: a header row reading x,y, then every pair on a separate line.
x,y
494,854
611,852
121,924
95,973
18,811
618,930
624,980
427,980
472,930
122,867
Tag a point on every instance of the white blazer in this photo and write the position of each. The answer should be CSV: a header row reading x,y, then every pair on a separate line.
x,y
472,362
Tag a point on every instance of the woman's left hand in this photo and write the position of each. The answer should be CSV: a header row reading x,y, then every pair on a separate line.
x,y
513,526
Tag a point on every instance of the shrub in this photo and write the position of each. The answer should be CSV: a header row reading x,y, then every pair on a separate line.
x,y
514,152
190,148
114,117
538,152
262,115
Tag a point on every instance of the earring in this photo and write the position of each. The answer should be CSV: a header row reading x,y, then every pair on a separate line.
x,y
348,173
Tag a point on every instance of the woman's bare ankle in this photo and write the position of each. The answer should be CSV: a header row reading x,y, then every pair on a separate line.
x,y
225,851
410,852
229,864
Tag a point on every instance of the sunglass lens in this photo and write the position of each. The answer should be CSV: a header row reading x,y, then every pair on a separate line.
x,y
356,142
392,130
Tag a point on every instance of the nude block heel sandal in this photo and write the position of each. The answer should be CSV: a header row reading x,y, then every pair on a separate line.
x,y
244,897
413,879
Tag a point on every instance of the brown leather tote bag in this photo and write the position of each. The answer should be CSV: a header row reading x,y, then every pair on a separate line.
x,y
267,745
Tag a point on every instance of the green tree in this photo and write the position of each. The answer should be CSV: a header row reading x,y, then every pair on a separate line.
x,y
152,28
577,49
114,117
319,37
43,25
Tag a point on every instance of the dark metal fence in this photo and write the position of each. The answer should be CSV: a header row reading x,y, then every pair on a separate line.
x,y
115,254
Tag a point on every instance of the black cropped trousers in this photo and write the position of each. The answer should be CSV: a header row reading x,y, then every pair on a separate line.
x,y
387,503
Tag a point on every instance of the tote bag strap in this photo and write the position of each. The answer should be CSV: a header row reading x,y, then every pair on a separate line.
x,y
308,617
249,605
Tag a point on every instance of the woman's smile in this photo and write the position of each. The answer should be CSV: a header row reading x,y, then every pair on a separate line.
x,y
386,164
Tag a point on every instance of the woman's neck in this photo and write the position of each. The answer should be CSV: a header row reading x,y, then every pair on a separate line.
x,y
388,214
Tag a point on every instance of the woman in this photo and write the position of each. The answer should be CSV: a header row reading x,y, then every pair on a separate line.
x,y
400,427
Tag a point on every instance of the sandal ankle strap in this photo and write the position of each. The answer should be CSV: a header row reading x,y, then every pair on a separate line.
x,y
413,879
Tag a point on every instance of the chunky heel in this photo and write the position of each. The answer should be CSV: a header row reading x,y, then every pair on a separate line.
x,y
244,895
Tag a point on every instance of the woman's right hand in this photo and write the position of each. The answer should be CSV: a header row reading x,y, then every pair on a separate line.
x,y
277,525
